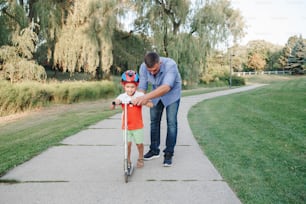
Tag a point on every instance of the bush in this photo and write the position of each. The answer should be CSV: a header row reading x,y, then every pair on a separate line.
x,y
223,80
236,80
24,96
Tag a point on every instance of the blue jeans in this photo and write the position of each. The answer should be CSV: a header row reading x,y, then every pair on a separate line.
x,y
156,114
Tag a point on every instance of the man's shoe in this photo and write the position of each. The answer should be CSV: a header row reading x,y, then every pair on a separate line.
x,y
150,155
167,160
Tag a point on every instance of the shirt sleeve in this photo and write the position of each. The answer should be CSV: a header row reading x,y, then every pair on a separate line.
x,y
170,75
143,78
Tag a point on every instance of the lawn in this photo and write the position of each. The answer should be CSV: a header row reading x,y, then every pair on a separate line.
x,y
257,141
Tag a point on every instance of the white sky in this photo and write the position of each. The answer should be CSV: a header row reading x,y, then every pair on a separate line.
x,y
272,20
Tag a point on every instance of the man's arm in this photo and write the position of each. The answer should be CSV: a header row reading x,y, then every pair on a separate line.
x,y
160,91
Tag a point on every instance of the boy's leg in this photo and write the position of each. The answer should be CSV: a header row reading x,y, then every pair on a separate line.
x,y
140,150
140,156
138,138
129,151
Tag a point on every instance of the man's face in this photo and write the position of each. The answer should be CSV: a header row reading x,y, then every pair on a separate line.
x,y
155,69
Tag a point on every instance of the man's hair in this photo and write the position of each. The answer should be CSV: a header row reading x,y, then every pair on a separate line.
x,y
151,58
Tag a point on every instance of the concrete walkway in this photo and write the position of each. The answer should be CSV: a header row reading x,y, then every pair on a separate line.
x,y
88,168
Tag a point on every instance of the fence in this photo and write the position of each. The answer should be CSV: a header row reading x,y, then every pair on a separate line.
x,y
261,73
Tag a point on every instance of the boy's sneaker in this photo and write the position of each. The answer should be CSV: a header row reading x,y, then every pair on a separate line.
x,y
167,160
150,155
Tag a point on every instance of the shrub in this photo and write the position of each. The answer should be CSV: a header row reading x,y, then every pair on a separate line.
x,y
24,96
236,80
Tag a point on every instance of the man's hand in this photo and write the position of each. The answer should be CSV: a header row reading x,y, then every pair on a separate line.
x,y
139,101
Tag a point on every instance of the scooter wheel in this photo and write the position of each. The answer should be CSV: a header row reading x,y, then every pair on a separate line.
x,y
126,177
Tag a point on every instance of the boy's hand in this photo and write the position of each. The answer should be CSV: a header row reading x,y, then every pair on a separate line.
x,y
114,103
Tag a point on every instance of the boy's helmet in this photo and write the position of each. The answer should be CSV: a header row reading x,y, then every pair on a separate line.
x,y
130,76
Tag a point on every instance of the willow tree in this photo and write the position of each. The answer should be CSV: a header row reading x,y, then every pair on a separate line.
x,y
51,15
18,43
85,39
161,19
214,24
188,35
17,62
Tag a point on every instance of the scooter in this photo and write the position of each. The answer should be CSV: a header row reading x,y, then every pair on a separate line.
x,y
128,168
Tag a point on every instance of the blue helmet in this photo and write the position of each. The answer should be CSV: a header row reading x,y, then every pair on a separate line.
x,y
130,76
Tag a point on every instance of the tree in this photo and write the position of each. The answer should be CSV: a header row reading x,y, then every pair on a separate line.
x,y
215,24
51,15
256,62
85,40
162,20
259,51
17,63
128,50
188,35
297,57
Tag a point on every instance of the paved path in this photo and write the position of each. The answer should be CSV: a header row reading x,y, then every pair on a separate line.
x,y
87,168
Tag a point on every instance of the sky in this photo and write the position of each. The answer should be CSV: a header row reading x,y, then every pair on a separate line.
x,y
272,20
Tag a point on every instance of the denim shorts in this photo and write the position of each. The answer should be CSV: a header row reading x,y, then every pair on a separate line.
x,y
135,136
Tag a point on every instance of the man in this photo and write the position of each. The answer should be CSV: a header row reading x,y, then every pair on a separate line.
x,y
165,78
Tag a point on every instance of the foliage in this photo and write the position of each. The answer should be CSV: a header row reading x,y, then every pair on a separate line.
x,y
128,51
216,22
256,142
188,35
161,20
77,36
262,55
293,55
20,97
51,15
189,63
256,62
297,54
257,55
85,41
218,70
16,59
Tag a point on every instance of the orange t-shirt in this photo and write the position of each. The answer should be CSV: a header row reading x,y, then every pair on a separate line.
x,y
134,115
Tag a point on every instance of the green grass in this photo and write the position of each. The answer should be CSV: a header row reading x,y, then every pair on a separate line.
x,y
257,140
24,138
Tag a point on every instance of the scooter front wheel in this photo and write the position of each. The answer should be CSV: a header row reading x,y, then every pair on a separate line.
x,y
126,172
126,177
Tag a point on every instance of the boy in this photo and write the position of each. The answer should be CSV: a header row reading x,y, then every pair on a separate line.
x,y
130,81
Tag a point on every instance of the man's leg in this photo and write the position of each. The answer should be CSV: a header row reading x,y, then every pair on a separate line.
x,y
155,114
172,111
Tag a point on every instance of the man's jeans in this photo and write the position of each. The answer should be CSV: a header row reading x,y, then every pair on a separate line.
x,y
156,115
